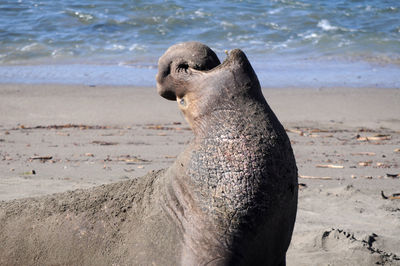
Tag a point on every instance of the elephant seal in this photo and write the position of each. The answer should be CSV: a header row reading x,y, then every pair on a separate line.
x,y
230,198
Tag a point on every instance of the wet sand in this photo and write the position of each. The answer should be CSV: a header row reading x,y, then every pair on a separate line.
x,y
55,138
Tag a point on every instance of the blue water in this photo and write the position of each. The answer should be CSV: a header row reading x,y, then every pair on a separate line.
x,y
290,43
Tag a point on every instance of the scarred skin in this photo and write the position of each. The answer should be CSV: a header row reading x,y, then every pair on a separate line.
x,y
230,198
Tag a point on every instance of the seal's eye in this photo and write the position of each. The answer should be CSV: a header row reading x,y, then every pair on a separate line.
x,y
183,67
182,102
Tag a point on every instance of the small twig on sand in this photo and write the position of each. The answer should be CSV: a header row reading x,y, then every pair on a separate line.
x,y
161,127
320,136
42,158
329,166
32,172
376,137
104,143
392,197
296,131
315,177
82,127
317,130
364,153
367,163
393,175
132,159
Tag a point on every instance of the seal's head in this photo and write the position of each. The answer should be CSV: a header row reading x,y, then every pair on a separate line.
x,y
192,74
178,61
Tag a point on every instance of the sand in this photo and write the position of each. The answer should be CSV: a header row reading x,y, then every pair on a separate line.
x,y
55,138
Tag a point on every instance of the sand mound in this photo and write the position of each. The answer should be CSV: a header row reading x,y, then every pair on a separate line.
x,y
338,247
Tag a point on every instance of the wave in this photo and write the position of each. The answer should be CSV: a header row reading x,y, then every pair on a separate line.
x,y
94,30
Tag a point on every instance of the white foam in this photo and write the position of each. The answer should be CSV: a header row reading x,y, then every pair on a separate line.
x,y
83,16
311,36
116,47
344,43
275,11
137,47
226,24
325,25
200,13
30,47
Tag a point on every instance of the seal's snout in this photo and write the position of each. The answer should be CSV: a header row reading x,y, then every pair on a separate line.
x,y
164,80
238,58
237,55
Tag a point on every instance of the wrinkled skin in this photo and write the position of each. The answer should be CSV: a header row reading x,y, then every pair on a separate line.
x,y
230,198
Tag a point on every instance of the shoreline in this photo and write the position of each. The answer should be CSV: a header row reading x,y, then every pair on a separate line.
x,y
272,71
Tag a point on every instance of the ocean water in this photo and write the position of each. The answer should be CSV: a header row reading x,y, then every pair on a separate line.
x,y
302,43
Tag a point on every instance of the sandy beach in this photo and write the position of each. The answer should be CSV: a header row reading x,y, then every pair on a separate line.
x,y
346,141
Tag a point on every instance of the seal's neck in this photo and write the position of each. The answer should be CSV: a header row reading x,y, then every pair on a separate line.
x,y
231,116
227,163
